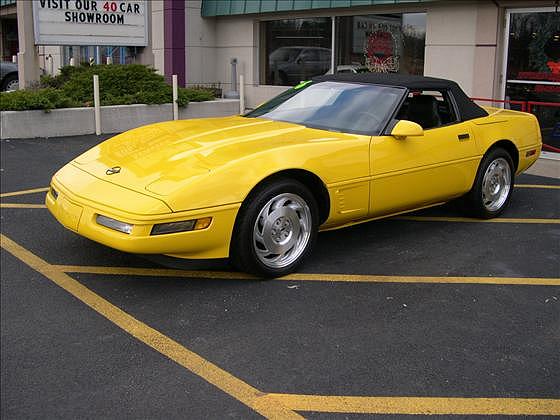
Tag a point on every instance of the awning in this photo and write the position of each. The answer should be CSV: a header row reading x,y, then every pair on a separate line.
x,y
244,7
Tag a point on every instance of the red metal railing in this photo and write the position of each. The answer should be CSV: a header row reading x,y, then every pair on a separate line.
x,y
531,104
523,104
527,106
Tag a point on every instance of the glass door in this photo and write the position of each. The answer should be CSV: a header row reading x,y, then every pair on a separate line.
x,y
532,66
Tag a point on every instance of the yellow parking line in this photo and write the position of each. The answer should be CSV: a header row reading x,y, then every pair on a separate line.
x,y
22,206
346,278
243,392
155,272
23,192
269,405
470,220
421,405
551,187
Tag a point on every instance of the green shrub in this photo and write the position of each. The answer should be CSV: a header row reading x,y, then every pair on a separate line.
x,y
45,99
118,85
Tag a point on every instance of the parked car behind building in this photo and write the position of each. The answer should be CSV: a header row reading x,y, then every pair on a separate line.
x,y
8,76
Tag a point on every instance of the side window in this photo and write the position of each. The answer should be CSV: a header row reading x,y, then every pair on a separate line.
x,y
428,108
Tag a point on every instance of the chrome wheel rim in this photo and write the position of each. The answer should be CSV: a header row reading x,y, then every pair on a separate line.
x,y
282,230
496,184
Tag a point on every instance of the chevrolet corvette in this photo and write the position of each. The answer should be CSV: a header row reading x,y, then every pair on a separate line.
x,y
328,153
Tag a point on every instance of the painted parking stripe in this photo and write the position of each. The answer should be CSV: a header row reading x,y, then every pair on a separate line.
x,y
421,405
472,220
551,187
276,405
22,206
243,392
23,192
345,278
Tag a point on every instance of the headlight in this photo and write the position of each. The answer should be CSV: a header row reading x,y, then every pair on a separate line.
x,y
182,226
114,224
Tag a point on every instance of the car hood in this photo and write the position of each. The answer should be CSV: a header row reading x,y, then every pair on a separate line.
x,y
161,158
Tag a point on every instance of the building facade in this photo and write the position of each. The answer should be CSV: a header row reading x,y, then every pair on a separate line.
x,y
507,50
493,49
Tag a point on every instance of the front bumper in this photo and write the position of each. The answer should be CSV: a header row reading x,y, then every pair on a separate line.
x,y
79,213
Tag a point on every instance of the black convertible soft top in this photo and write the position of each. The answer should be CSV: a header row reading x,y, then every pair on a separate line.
x,y
468,110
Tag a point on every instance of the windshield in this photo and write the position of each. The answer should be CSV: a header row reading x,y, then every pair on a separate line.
x,y
334,106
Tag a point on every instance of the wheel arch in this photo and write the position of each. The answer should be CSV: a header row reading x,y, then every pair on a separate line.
x,y
509,147
315,185
6,76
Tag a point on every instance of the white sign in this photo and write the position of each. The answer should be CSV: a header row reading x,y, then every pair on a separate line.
x,y
90,22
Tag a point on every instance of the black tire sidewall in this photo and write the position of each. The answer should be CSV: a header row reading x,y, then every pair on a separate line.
x,y
242,253
7,80
475,202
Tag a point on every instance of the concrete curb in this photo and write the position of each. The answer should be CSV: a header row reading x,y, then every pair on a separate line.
x,y
114,119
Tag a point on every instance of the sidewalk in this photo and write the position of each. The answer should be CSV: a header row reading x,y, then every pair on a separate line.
x,y
547,165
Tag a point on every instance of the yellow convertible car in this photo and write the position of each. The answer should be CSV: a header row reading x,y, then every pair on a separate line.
x,y
332,152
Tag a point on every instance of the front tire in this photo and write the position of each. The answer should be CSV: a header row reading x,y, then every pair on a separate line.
x,y
493,185
275,230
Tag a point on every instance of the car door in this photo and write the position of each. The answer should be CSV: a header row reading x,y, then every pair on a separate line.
x,y
418,171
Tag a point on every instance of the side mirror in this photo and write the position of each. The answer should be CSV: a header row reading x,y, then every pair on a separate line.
x,y
406,128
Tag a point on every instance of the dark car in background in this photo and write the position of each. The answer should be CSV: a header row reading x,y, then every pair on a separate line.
x,y
290,65
8,76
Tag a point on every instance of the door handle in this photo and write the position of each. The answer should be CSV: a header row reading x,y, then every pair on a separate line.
x,y
465,136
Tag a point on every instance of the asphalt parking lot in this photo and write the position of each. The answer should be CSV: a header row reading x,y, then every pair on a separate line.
x,y
430,313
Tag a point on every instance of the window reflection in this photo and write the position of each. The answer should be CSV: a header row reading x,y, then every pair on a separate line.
x,y
296,50
381,43
533,68
534,47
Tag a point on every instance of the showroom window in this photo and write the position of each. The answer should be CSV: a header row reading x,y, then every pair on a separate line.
x,y
299,49
381,43
295,50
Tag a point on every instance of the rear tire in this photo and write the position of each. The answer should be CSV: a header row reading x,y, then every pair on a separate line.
x,y
275,230
493,185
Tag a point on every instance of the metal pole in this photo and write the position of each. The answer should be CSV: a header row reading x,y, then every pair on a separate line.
x,y
333,38
175,97
241,94
233,94
96,103
234,74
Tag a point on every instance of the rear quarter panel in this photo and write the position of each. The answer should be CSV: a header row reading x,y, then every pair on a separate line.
x,y
521,128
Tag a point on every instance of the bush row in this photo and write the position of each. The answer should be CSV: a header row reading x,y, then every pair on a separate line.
x,y
118,85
